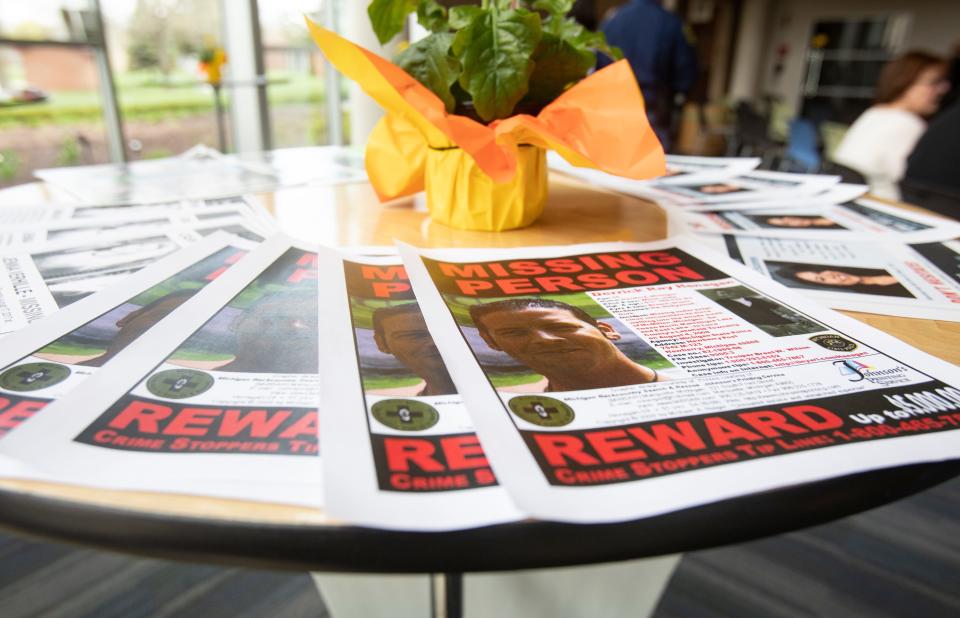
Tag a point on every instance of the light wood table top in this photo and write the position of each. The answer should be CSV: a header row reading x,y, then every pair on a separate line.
x,y
350,215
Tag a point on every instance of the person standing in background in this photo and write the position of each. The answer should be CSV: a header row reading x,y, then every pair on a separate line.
x,y
878,143
663,61
953,74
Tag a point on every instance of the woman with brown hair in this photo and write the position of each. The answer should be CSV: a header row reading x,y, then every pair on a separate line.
x,y
878,143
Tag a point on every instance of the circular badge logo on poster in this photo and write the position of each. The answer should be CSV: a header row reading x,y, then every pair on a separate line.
x,y
834,342
542,411
405,414
179,383
33,376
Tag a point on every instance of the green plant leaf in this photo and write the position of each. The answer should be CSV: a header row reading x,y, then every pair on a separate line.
x,y
462,15
388,16
429,61
598,42
432,16
494,50
554,7
557,64
568,29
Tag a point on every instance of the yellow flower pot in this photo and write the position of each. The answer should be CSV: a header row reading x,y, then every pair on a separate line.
x,y
461,195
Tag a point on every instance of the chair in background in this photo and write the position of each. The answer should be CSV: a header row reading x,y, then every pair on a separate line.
x,y
803,147
751,137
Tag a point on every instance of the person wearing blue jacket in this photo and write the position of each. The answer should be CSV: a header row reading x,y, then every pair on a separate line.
x,y
663,61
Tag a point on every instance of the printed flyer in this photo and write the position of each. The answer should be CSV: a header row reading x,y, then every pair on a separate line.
x,y
916,280
202,173
826,221
749,187
61,274
33,285
70,231
684,168
679,169
24,297
220,399
46,361
837,194
617,381
31,214
397,440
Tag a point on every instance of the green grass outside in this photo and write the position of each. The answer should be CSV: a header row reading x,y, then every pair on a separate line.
x,y
143,96
71,349
382,382
199,355
501,380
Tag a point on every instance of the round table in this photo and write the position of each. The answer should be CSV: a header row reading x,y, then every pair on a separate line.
x,y
288,537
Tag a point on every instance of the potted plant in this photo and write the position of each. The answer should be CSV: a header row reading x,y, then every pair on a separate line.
x,y
496,59
473,107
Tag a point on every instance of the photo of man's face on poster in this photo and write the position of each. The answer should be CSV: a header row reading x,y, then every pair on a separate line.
x,y
564,346
277,334
401,332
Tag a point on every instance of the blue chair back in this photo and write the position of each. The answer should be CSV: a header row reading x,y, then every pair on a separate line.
x,y
803,147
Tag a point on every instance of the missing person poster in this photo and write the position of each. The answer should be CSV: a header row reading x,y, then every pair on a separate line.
x,y
609,382
14,214
827,221
679,169
918,280
45,362
397,440
68,274
66,232
202,172
682,168
749,187
24,297
221,399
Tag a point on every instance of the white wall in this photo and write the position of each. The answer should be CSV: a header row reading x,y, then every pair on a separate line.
x,y
934,25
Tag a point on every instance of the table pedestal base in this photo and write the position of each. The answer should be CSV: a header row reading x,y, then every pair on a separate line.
x,y
617,589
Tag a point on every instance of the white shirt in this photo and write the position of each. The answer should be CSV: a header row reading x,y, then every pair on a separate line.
x,y
878,144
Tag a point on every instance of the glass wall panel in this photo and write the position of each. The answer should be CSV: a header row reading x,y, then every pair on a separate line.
x,y
156,47
295,73
50,110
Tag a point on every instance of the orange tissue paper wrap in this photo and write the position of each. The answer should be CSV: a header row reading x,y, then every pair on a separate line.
x,y
493,177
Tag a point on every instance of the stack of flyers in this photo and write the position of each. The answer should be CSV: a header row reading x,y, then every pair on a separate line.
x,y
51,264
396,435
819,220
617,381
916,277
462,388
205,173
217,398
679,169
755,186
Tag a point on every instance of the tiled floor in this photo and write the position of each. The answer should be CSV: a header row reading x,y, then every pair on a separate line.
x,y
900,560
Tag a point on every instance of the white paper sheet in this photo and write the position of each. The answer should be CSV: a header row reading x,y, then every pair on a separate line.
x,y
823,221
399,448
203,173
220,399
679,169
669,377
743,189
45,362
919,280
